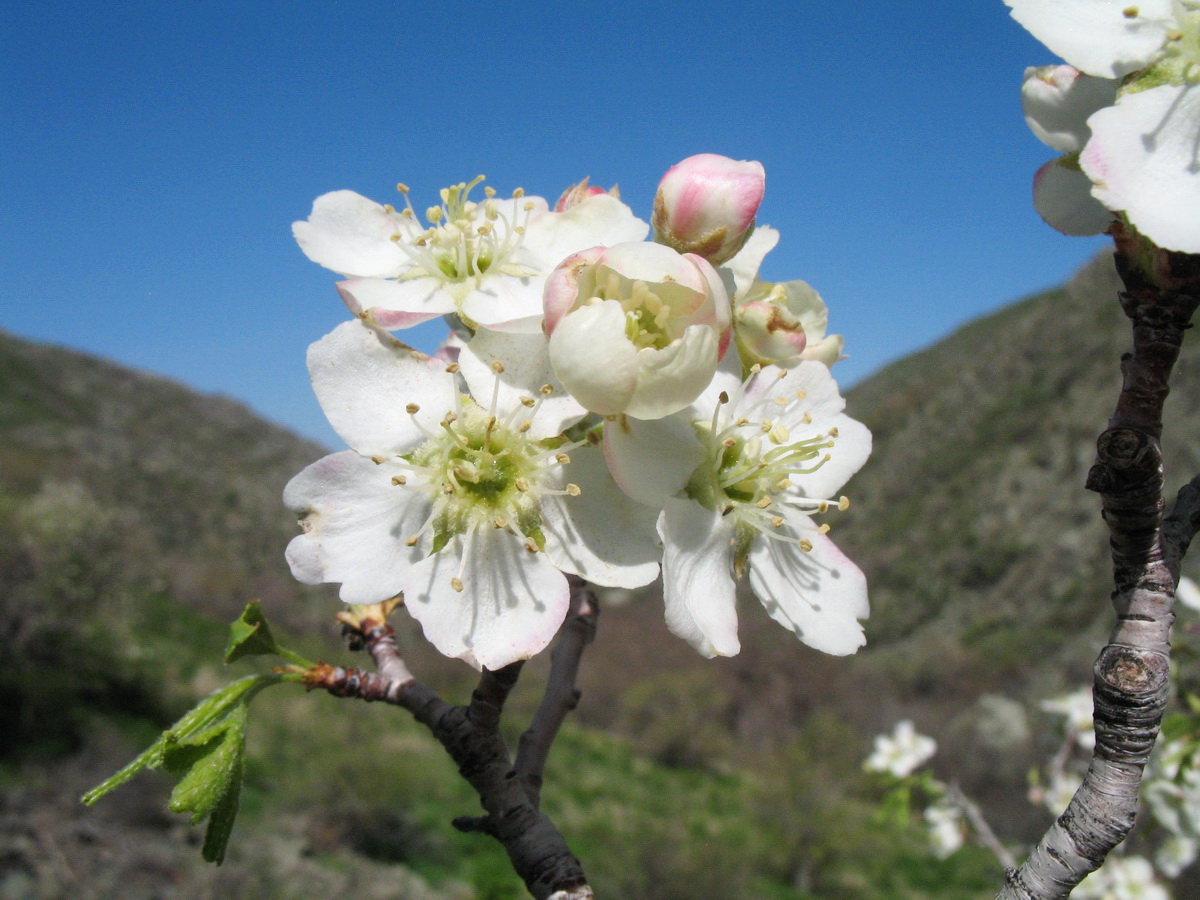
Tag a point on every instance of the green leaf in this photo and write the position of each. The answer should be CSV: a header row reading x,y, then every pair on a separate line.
x,y
250,635
208,712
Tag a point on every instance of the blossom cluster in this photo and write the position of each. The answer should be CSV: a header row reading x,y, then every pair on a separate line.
x,y
1124,112
606,406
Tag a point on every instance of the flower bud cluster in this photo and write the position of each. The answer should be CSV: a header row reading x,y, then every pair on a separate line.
x,y
606,407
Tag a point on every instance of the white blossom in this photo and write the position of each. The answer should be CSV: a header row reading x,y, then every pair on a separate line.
x,y
902,752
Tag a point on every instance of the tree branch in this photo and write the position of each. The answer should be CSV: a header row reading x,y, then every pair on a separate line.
x,y
561,694
471,735
1131,675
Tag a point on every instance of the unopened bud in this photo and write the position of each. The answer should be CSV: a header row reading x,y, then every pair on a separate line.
x,y
706,205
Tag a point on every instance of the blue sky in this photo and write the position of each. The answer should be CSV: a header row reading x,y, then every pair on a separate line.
x,y
158,153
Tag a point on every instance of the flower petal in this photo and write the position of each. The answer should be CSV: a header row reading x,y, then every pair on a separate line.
x,y
1057,101
510,607
599,220
1096,36
819,595
354,521
652,460
743,268
365,379
671,378
1144,159
601,535
392,305
593,358
350,234
1062,196
526,362
697,587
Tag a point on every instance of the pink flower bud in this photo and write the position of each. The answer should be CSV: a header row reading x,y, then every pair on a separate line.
x,y
577,193
706,205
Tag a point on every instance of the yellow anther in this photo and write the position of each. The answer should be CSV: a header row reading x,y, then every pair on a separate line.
x,y
756,368
833,432
522,485
411,542
806,419
728,442
806,546
824,529
782,401
525,426
388,208
497,367
779,434
530,545
742,422
484,230
777,521
395,238
527,402
843,503
767,425
722,397
457,584
450,418
764,503
574,490
402,187
406,213
546,390
399,479
801,395
433,215
727,510
412,409
529,206
453,368
822,507
489,191
518,193
1174,35
377,459
783,484
562,458
1130,12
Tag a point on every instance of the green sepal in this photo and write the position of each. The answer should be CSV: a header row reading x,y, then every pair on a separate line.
x,y
441,537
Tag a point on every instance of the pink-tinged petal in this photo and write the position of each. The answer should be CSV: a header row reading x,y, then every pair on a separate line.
x,y
1057,101
392,305
601,535
654,264
593,359
671,378
526,370
351,235
563,287
600,220
1096,36
364,381
1062,196
743,268
510,607
354,520
1144,159
819,594
652,460
697,586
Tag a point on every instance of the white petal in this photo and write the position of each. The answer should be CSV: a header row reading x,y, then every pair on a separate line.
x,y
1096,36
599,220
593,359
511,605
1144,159
601,535
392,305
671,378
365,379
743,268
501,300
697,586
819,595
352,235
652,460
355,523
1062,196
526,361
1057,101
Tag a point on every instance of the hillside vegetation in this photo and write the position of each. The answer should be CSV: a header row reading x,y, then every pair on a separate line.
x,y
137,517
